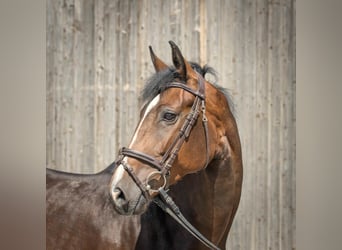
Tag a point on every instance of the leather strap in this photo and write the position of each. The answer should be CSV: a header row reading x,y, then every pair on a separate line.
x,y
141,156
198,93
136,180
165,202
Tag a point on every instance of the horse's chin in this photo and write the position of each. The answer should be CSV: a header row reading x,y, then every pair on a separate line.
x,y
137,206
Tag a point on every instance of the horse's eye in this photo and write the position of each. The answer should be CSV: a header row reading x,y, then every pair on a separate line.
x,y
169,116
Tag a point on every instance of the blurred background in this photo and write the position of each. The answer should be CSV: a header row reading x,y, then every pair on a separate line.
x,y
98,62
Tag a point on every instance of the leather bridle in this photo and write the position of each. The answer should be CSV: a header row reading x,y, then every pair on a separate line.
x,y
163,166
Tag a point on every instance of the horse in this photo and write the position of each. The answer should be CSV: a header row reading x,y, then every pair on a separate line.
x,y
201,171
187,142
80,213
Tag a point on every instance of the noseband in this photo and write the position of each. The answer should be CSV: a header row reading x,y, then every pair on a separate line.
x,y
164,201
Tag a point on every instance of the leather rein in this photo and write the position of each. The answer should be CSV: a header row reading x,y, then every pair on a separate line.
x,y
163,200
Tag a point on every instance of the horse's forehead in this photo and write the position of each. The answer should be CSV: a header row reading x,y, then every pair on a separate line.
x,y
148,109
151,105
171,97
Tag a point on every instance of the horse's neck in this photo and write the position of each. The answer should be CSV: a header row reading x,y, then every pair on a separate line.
x,y
208,199
225,200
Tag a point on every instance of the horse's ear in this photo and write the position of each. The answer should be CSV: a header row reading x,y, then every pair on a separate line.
x,y
158,64
182,66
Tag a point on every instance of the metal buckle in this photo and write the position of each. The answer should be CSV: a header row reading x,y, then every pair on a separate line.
x,y
204,118
149,187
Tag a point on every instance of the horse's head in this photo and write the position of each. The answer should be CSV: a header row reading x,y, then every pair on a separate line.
x,y
177,134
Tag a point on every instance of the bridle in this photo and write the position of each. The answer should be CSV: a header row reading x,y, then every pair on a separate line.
x,y
164,165
164,201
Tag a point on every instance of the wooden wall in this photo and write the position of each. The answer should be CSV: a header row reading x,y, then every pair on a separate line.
x,y
98,61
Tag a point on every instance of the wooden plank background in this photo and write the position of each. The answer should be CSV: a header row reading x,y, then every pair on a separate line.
x,y
98,61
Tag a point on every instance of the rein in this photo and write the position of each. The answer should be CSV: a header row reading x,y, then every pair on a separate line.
x,y
164,201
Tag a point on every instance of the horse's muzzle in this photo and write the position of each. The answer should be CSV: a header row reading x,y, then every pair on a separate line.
x,y
128,199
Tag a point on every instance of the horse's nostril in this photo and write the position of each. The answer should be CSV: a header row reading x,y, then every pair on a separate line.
x,y
120,199
118,194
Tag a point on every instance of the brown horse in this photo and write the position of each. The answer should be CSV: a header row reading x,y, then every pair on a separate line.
x,y
208,159
204,178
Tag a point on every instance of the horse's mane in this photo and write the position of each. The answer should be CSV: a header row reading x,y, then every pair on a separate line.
x,y
157,82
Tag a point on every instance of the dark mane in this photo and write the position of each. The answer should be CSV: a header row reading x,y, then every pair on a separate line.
x,y
160,79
